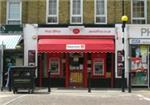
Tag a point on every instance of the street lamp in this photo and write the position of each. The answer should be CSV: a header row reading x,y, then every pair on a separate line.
x,y
124,19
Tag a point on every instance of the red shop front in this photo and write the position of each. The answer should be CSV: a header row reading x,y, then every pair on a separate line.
x,y
70,58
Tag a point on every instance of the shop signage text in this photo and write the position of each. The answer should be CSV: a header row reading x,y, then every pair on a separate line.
x,y
75,46
145,31
139,31
139,41
77,31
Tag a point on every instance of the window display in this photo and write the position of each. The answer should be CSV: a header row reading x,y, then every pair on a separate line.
x,y
98,67
55,65
139,65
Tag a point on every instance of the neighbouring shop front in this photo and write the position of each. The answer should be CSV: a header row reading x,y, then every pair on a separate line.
x,y
139,52
70,52
12,40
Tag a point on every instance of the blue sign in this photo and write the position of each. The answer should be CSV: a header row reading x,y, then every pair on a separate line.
x,y
135,41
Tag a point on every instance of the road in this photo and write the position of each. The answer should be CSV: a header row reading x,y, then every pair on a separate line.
x,y
76,97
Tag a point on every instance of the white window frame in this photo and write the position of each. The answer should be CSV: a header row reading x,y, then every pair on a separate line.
x,y
47,13
71,13
7,17
105,13
145,12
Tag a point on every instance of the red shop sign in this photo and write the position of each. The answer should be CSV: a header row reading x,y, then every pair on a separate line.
x,y
76,31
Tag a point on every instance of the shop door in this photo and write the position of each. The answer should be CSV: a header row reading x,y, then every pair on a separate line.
x,y
76,70
140,65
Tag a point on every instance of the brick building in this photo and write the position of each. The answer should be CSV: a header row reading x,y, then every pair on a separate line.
x,y
35,11
85,22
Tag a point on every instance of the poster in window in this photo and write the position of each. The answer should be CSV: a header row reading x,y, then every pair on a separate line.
x,y
144,53
54,66
98,68
119,63
31,57
139,60
139,65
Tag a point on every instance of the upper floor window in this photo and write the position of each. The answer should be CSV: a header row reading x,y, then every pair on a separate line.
x,y
52,11
139,11
14,9
100,11
76,16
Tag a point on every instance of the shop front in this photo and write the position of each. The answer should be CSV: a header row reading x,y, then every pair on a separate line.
x,y
12,41
69,53
139,52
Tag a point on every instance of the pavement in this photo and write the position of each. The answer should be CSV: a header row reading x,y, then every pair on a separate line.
x,y
62,96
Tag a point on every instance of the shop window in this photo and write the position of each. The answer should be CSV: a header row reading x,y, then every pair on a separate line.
x,y
52,11
100,11
54,66
14,10
98,67
76,12
139,11
139,65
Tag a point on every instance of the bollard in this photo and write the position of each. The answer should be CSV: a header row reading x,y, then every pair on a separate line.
x,y
49,81
89,82
129,87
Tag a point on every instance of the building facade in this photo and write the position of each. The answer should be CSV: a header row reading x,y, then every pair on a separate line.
x,y
58,35
139,54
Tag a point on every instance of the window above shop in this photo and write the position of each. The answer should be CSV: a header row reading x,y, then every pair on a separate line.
x,y
139,11
100,11
76,12
14,12
52,11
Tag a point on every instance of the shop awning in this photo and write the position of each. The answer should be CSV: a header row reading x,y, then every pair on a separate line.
x,y
75,45
10,41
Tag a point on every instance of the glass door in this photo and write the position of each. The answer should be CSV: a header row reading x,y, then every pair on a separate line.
x,y
76,70
139,65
